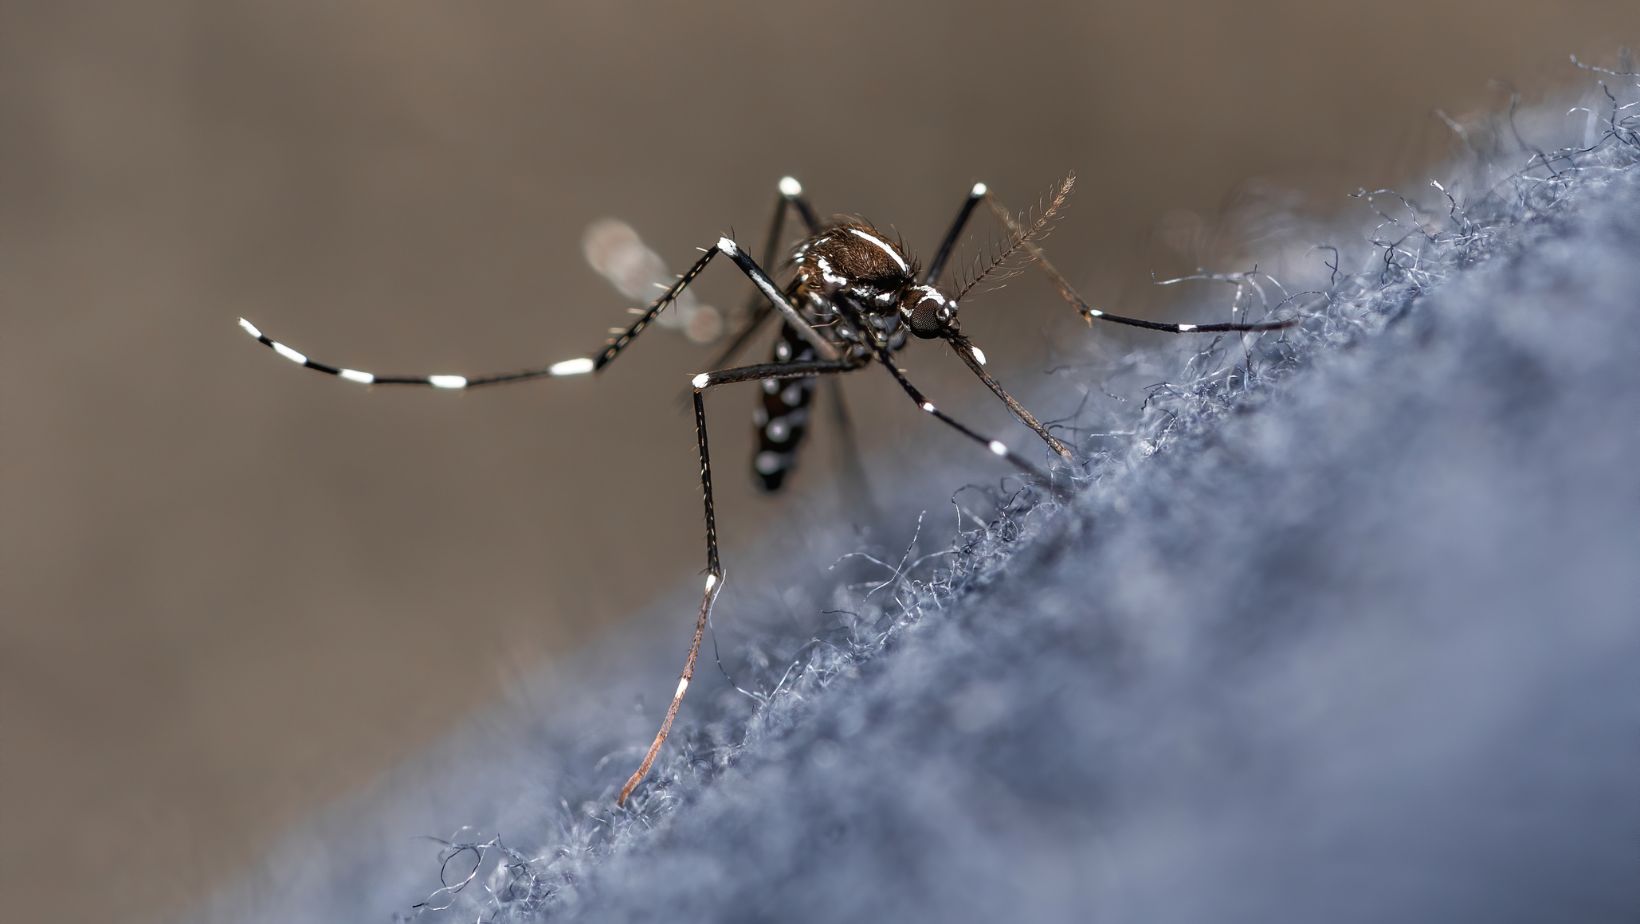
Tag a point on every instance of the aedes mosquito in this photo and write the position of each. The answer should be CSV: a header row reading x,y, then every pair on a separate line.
x,y
855,298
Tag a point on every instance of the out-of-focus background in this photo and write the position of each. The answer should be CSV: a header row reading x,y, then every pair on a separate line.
x,y
234,591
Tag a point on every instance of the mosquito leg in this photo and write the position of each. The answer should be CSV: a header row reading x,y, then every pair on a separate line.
x,y
969,353
997,447
822,347
975,361
791,192
714,567
577,366
580,365
1091,314
758,308
792,370
714,584
931,277
881,353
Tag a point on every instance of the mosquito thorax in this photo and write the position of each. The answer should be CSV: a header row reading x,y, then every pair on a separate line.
x,y
853,258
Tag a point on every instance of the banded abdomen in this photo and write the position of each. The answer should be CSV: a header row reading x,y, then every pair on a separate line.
x,y
782,415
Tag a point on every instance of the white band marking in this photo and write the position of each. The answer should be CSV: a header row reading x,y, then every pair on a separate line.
x,y
789,187
979,189
1186,328
711,582
998,448
928,406
979,354
250,328
700,381
774,294
447,381
683,684
571,367
354,375
1095,313
289,353
727,246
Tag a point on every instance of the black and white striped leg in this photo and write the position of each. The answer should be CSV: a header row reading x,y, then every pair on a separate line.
x,y
822,347
1091,314
714,584
714,567
975,360
758,309
580,365
791,193
937,265
997,447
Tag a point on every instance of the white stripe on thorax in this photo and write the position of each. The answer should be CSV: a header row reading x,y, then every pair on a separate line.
x,y
883,246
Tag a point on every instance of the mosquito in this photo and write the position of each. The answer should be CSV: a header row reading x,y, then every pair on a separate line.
x,y
855,298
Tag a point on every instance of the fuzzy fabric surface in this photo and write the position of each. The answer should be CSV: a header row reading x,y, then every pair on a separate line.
x,y
1342,624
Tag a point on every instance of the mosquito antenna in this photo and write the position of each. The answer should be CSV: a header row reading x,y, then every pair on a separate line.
x,y
1022,236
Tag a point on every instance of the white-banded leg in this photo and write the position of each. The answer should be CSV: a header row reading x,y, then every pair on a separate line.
x,y
580,365
971,355
714,567
997,447
981,192
931,276
758,309
882,354
975,360
1090,313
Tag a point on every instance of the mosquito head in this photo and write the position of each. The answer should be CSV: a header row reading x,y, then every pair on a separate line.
x,y
928,313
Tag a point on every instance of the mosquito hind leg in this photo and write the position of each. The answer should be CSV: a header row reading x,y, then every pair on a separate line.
x,y
714,566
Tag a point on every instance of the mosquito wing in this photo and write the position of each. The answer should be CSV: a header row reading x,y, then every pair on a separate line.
x,y
619,255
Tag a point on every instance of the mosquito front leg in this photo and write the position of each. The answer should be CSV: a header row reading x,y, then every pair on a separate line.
x,y
975,360
997,447
1090,313
932,275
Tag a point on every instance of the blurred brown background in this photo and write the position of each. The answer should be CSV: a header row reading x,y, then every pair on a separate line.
x,y
234,590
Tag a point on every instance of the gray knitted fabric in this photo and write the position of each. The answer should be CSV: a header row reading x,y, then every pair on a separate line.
x,y
1343,625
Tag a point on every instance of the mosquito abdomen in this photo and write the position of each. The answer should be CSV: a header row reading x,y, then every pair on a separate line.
x,y
782,415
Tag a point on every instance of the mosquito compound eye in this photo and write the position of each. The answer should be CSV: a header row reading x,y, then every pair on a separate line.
x,y
925,320
930,315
